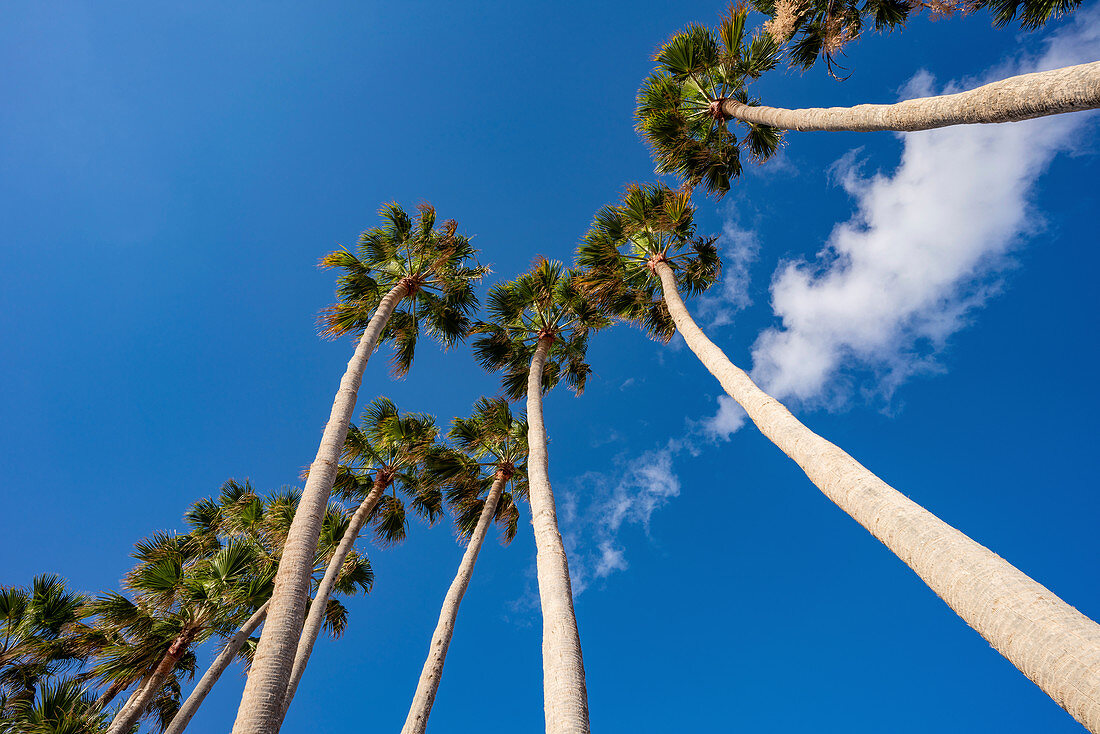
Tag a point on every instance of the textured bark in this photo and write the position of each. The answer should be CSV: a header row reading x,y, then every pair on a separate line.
x,y
191,706
1022,97
430,676
129,714
1052,643
261,705
565,698
316,619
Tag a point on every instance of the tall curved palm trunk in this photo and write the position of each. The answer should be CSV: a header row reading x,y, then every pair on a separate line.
x,y
1052,643
430,676
316,618
564,692
206,684
261,705
129,714
1022,97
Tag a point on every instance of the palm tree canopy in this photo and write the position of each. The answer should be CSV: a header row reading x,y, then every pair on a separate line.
x,y
239,513
435,264
652,224
544,303
490,443
39,634
390,448
679,111
821,28
63,706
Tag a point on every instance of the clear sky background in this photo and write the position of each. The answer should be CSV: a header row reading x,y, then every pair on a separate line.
x,y
171,173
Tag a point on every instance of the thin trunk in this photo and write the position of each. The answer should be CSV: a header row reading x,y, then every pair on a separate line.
x,y
316,618
430,676
1052,643
565,698
261,705
109,695
128,716
1022,97
191,706
134,695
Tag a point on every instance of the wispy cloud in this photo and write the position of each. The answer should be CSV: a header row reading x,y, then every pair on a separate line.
x,y
739,249
925,248
598,505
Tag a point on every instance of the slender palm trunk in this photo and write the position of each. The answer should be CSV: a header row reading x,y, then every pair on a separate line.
x,y
317,607
430,676
191,706
565,698
261,705
109,695
1052,643
1022,97
129,714
134,695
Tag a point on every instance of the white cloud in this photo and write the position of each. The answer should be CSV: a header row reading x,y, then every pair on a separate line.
x,y
922,251
739,248
601,504
727,421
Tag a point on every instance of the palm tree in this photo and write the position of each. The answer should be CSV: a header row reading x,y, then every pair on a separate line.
x,y
239,514
61,706
36,635
428,270
383,458
824,27
539,335
491,452
184,591
686,105
639,256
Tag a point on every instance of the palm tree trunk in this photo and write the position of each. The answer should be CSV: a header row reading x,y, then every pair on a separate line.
x,y
565,698
1052,643
134,694
1022,97
430,676
129,714
316,618
109,695
261,705
191,706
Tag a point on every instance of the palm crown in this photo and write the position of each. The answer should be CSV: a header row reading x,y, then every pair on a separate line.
x,y
181,591
238,513
61,706
652,224
824,27
36,635
490,444
435,266
389,450
679,110
544,303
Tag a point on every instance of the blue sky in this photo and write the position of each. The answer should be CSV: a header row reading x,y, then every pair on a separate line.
x,y
169,177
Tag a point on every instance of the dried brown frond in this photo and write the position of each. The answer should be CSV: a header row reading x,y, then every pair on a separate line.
x,y
835,36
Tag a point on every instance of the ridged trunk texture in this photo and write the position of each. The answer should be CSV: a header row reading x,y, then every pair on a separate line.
x,y
1052,643
129,714
261,705
430,676
316,618
191,706
565,698
1022,97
